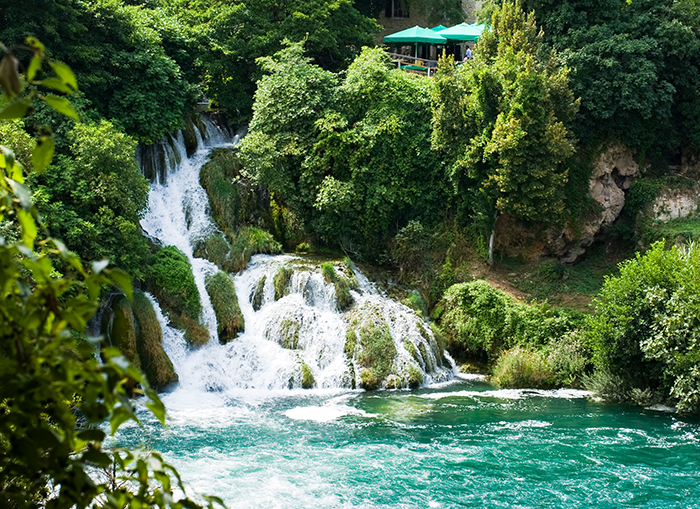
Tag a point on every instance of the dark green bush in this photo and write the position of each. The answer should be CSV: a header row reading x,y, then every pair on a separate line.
x,y
480,320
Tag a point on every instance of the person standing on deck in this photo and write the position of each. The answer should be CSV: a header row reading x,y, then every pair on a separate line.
x,y
467,54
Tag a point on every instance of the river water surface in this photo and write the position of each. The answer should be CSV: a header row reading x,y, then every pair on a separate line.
x,y
461,444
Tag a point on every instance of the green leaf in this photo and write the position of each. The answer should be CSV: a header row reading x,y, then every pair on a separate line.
x,y
17,174
61,105
34,67
15,109
56,84
35,43
119,416
92,435
98,266
155,405
96,457
43,153
8,157
66,75
121,279
28,227
22,194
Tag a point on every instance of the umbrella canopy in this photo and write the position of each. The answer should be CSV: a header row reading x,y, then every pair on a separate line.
x,y
438,28
415,35
462,32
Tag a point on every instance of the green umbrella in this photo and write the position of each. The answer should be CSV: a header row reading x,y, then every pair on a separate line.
x,y
463,32
415,35
438,28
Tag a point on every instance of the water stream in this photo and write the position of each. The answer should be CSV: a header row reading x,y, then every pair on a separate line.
x,y
237,430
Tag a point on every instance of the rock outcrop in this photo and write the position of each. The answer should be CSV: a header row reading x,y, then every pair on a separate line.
x,y
614,172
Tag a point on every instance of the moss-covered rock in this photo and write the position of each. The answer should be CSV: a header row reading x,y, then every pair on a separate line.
x,y
196,334
289,334
171,280
222,293
341,283
121,332
307,377
281,281
155,363
376,354
256,298
216,249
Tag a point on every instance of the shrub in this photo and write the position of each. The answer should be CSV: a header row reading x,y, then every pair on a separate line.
x,y
646,324
229,318
480,320
523,368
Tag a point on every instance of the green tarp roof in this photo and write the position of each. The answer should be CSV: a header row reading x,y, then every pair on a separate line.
x,y
462,32
414,35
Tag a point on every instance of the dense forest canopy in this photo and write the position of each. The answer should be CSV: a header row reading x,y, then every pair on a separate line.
x,y
344,152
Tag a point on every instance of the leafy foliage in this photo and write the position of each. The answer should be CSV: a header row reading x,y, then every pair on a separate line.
x,y
502,123
54,392
645,331
352,159
118,53
233,35
93,198
635,66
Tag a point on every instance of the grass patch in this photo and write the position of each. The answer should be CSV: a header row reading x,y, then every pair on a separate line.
x,y
229,318
247,242
523,368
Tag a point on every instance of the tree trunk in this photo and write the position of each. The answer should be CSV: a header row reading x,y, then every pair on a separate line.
x,y
491,240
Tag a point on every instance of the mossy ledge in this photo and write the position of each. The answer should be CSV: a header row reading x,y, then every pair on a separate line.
x,y
229,318
342,285
133,328
170,279
281,281
155,363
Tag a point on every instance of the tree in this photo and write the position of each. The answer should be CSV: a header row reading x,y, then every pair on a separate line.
x,y
502,123
233,35
54,393
351,158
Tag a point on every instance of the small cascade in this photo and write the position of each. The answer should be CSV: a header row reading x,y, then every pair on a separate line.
x,y
178,205
306,324
295,336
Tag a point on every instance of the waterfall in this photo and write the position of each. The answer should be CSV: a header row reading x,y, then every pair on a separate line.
x,y
293,338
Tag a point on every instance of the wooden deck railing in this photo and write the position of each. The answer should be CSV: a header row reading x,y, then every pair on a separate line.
x,y
414,64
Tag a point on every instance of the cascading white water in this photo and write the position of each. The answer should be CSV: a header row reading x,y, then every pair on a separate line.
x,y
178,209
287,340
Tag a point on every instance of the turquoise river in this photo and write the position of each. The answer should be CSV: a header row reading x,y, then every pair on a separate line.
x,y
235,429
460,444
